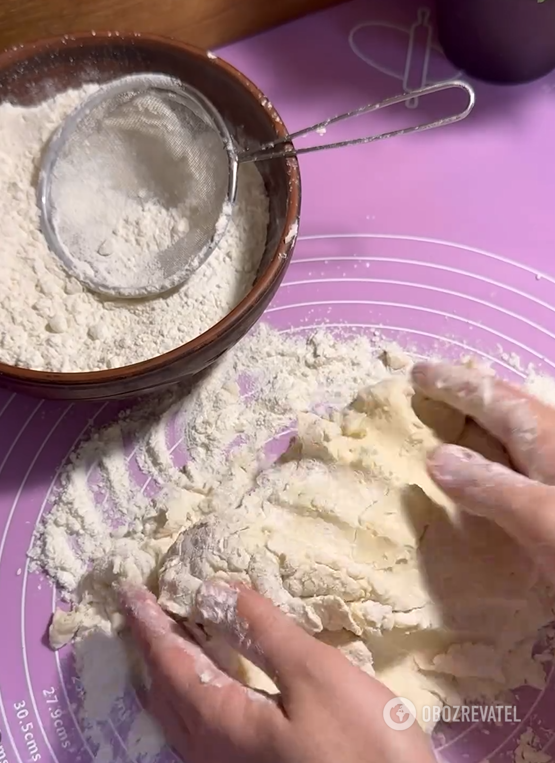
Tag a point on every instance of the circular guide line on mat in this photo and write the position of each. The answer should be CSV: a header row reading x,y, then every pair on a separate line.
x,y
6,403
24,587
44,503
64,689
13,509
420,309
391,282
2,546
432,266
435,241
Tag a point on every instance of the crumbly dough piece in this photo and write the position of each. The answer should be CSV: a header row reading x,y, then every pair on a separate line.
x,y
348,534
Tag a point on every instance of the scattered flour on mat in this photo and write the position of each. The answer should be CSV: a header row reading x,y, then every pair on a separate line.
x,y
102,519
48,320
529,749
254,393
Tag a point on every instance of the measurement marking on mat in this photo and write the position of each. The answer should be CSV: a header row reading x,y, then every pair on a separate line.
x,y
58,715
27,731
3,753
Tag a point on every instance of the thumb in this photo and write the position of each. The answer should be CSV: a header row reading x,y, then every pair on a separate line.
x,y
258,630
523,508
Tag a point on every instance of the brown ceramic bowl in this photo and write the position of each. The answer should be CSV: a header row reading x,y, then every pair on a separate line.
x,y
33,72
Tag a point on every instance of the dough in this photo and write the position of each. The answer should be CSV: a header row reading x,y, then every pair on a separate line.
x,y
348,534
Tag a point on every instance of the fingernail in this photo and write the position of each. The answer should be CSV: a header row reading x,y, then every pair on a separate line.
x,y
217,603
450,464
140,605
129,594
419,373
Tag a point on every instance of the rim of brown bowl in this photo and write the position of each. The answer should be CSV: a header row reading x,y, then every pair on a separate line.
x,y
275,267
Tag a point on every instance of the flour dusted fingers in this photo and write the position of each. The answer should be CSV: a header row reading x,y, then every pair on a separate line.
x,y
522,507
333,711
524,425
262,633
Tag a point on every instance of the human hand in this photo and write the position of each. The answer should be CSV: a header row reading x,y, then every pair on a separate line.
x,y
521,502
328,710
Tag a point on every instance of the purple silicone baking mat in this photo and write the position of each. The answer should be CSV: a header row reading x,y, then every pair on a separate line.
x,y
446,236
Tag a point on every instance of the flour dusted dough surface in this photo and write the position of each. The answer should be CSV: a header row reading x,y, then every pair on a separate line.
x,y
348,534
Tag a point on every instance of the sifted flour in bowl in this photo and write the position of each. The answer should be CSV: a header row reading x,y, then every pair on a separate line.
x,y
49,322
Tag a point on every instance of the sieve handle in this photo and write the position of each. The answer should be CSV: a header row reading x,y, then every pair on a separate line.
x,y
268,151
